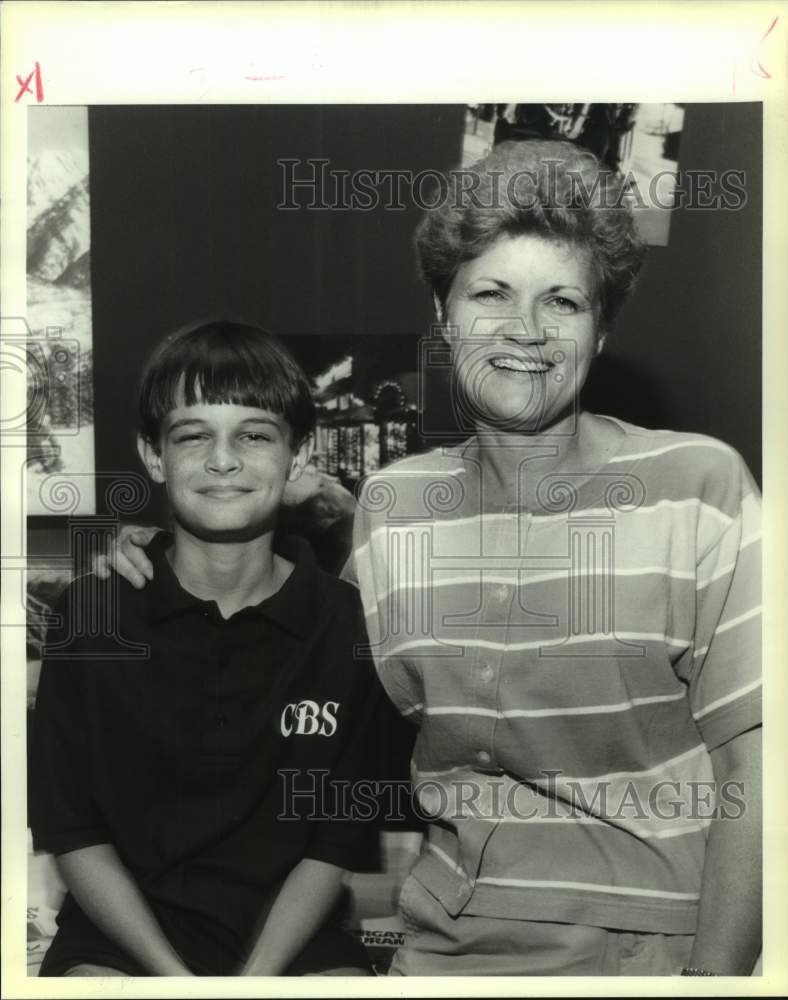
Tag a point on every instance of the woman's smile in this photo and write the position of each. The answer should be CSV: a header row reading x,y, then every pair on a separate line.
x,y
509,364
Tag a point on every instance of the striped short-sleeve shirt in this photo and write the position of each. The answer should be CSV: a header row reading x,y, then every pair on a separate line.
x,y
569,668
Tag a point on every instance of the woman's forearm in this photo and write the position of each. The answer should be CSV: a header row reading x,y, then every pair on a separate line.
x,y
107,893
728,938
308,895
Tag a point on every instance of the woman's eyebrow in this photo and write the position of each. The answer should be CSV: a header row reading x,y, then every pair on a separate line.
x,y
505,284
568,288
496,281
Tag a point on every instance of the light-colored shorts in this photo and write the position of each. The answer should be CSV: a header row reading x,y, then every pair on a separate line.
x,y
437,944
86,969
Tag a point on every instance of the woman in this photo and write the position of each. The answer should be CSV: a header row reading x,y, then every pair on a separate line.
x,y
566,607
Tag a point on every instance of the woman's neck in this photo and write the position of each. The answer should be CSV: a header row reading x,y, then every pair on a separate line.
x,y
513,464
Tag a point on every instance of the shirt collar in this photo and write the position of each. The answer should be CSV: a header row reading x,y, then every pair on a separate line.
x,y
294,607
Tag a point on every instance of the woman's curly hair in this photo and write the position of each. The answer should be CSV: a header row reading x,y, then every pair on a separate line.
x,y
557,190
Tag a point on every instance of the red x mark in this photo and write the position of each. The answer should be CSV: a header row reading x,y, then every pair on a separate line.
x,y
24,85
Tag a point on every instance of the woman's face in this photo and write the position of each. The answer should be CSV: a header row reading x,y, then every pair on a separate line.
x,y
523,326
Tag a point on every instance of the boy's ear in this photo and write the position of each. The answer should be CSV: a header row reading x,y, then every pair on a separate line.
x,y
301,458
151,459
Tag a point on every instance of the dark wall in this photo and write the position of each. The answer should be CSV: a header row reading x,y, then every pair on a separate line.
x,y
185,224
686,353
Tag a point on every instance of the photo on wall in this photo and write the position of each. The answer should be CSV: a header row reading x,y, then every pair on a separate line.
x,y
640,140
60,351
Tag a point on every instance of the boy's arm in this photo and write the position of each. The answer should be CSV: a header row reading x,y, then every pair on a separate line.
x,y
309,894
108,895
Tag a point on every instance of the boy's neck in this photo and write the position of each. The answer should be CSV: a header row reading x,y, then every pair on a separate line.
x,y
234,574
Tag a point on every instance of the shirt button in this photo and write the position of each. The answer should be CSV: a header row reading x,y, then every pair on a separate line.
x,y
487,673
483,757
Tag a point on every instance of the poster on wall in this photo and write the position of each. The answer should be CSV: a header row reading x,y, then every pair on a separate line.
x,y
60,363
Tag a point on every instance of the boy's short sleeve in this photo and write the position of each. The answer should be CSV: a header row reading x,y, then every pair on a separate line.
x,y
63,815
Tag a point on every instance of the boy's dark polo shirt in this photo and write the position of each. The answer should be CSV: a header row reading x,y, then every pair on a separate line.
x,y
173,758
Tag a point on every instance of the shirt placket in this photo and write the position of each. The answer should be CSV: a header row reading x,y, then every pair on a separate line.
x,y
220,727
496,607
488,663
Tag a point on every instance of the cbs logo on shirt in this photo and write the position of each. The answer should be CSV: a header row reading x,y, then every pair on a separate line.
x,y
307,718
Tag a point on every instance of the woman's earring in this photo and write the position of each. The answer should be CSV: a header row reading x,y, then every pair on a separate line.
x,y
438,308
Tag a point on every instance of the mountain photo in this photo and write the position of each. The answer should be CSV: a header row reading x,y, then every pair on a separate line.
x,y
60,373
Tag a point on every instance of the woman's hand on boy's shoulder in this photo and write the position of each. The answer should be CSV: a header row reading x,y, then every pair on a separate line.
x,y
313,485
126,556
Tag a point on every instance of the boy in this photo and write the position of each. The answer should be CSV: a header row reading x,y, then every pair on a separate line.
x,y
157,781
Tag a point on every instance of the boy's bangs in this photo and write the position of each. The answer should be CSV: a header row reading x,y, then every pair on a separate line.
x,y
225,363
226,371
226,385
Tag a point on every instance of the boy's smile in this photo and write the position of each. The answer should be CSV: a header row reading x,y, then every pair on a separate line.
x,y
225,467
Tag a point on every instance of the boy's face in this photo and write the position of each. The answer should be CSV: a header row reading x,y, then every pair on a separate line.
x,y
225,468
